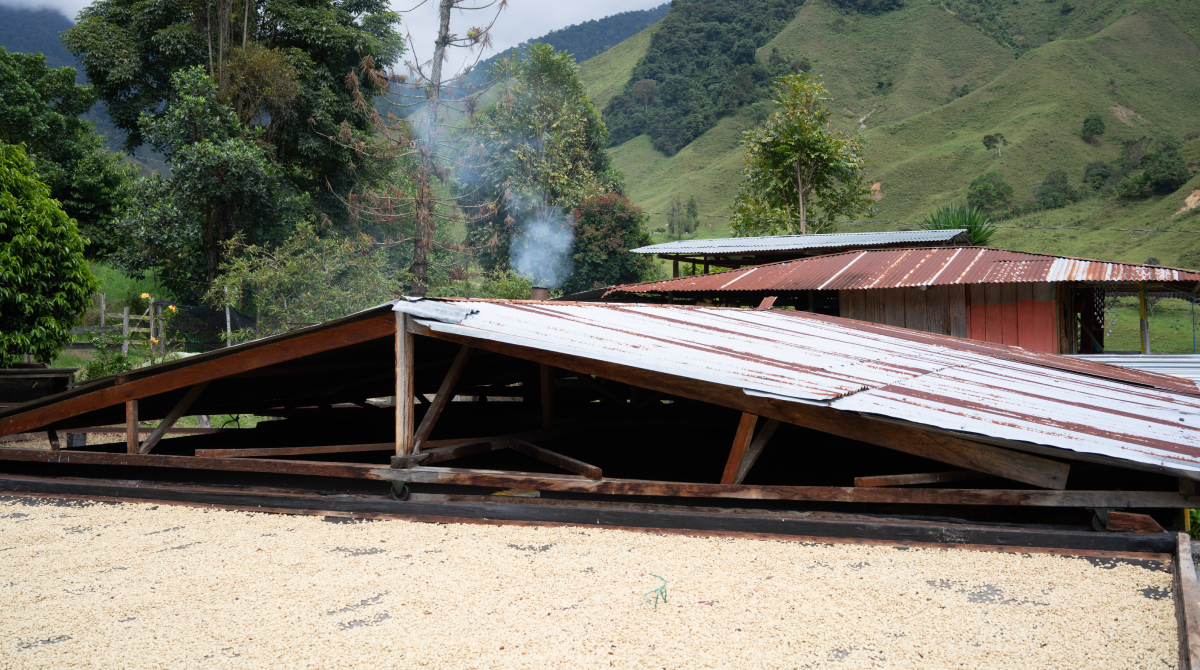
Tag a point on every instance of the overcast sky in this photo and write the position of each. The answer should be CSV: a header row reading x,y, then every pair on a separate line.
x,y
522,20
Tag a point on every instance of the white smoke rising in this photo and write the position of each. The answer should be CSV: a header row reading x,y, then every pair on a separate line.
x,y
541,251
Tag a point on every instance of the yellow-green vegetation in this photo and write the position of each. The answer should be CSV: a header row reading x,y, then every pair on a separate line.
x,y
902,74
605,75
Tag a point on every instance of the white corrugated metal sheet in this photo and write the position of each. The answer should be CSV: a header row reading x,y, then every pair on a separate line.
x,y
859,367
1186,366
732,245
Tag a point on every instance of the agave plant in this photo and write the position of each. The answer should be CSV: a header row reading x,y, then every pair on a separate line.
x,y
978,225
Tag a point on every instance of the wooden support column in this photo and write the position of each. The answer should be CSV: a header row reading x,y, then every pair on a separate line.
x,y
404,386
741,444
675,268
547,374
444,395
131,426
183,405
1187,603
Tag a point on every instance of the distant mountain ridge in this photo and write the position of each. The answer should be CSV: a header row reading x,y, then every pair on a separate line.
x,y
30,31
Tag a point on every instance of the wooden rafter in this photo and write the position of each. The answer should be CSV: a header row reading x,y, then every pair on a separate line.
x,y
741,443
556,459
444,394
182,406
756,449
919,478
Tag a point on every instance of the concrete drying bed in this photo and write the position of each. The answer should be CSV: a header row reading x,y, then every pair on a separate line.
x,y
133,585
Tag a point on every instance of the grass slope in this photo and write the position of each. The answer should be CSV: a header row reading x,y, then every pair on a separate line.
x,y
904,63
607,73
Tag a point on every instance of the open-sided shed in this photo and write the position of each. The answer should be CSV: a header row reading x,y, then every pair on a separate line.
x,y
673,401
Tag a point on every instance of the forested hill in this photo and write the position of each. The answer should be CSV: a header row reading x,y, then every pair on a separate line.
x,y
35,31
590,38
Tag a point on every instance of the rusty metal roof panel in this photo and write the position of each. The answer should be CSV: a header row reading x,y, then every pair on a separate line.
x,y
896,268
749,245
853,366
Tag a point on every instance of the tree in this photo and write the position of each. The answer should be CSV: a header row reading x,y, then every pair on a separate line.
x,y
41,109
1056,191
796,163
1093,127
645,90
130,52
45,283
1163,170
995,142
222,185
957,217
989,192
693,214
545,147
605,228
676,218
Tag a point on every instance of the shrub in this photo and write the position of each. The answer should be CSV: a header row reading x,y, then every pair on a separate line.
x,y
989,192
1163,171
977,224
1055,191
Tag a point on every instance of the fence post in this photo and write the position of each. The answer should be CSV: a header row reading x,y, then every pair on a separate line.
x,y
125,332
228,328
162,333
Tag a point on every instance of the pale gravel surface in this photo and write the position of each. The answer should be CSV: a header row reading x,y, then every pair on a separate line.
x,y
140,586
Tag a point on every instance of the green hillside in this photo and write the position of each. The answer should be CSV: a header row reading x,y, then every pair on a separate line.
x,y
1031,72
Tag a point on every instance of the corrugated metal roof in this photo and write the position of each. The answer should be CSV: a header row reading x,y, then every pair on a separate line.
x,y
733,245
931,266
881,370
1186,366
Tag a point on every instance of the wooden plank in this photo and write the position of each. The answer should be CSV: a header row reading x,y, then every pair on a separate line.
x,y
893,302
1008,313
294,451
878,301
404,386
756,448
469,448
556,459
1127,522
994,316
131,426
914,308
576,484
1027,333
937,310
956,296
237,360
1187,601
1045,339
546,373
315,468
976,312
444,394
741,443
953,451
919,478
182,406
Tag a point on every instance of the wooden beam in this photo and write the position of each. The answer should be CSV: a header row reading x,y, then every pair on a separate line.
x,y
556,459
444,394
1187,602
547,387
741,443
919,478
239,359
954,451
470,448
848,494
593,384
131,426
1127,522
294,451
52,436
182,406
756,447
404,386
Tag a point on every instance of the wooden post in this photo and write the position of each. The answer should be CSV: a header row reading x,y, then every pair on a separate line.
x,y
675,268
1187,602
103,309
741,442
1143,323
404,386
131,422
125,332
228,328
547,385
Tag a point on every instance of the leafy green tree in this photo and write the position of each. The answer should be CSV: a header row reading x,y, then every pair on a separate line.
x,y
989,192
798,166
693,214
41,109
1097,175
979,227
996,142
545,148
131,50
1093,127
676,218
1056,191
45,283
1163,171
221,185
606,227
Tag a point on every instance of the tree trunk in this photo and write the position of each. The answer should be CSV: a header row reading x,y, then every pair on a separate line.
x,y
208,18
226,6
245,23
803,208
423,241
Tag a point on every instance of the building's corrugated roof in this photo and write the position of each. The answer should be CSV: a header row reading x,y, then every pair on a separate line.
x,y
998,392
931,266
1186,366
750,245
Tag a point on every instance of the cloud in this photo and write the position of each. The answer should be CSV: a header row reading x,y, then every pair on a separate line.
x,y
68,8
